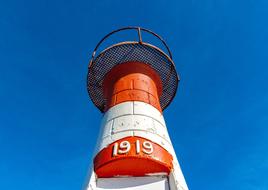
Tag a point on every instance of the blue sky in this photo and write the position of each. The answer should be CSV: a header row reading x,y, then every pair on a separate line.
x,y
218,121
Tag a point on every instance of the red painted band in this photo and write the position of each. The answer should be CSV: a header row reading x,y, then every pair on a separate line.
x,y
132,156
132,81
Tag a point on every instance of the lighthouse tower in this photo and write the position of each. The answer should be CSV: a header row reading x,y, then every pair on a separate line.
x,y
131,83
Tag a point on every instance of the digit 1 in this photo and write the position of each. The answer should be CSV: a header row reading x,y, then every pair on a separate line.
x,y
138,147
115,149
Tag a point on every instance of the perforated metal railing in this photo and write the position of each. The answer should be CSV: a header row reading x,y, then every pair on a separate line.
x,y
131,51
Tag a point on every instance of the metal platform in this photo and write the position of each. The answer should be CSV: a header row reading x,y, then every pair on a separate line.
x,y
130,51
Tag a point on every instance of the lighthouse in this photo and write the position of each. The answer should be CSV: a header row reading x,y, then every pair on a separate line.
x,y
131,83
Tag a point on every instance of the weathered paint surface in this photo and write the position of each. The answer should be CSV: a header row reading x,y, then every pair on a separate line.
x,y
134,139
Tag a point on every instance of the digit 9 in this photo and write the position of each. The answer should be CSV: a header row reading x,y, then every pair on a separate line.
x,y
147,147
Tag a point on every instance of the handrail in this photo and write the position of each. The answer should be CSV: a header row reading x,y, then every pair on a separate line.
x,y
139,29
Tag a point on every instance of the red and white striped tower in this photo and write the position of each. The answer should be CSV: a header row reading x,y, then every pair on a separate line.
x,y
132,82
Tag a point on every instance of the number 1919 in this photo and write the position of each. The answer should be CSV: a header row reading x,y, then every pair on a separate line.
x,y
125,146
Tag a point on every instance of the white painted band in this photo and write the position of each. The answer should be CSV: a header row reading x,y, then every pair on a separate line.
x,y
134,119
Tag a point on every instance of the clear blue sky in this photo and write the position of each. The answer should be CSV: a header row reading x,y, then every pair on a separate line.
x,y
218,121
